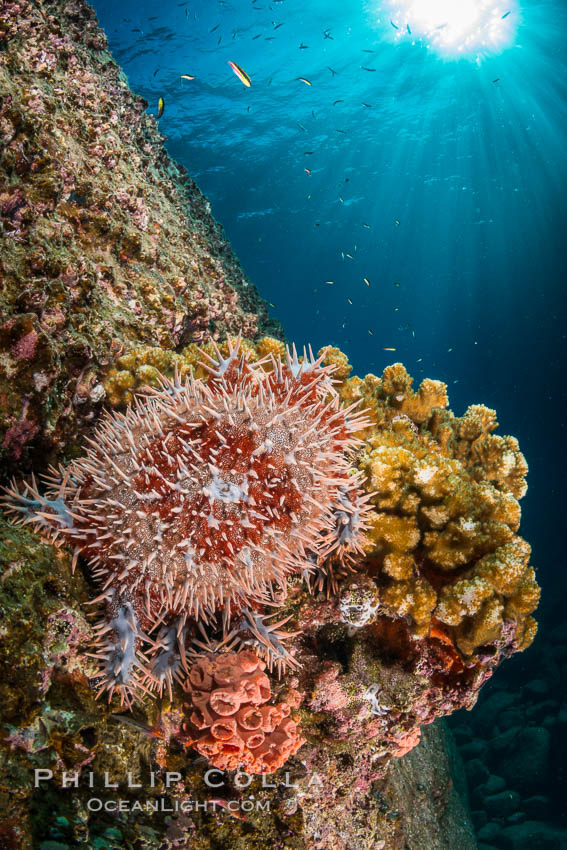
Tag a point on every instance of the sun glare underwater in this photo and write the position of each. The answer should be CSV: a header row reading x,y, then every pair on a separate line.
x,y
455,27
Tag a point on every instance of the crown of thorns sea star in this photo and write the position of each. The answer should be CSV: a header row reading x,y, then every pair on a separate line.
x,y
202,498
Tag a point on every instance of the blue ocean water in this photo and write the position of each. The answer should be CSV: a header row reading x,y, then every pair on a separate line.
x,y
439,179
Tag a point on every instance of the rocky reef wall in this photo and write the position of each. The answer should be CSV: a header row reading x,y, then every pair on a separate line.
x,y
106,243
108,246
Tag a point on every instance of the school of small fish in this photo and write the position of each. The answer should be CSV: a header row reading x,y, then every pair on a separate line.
x,y
246,80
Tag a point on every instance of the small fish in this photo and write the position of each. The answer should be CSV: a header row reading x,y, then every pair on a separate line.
x,y
219,41
330,282
240,73
497,80
270,38
160,107
303,80
371,333
397,222
303,46
340,131
367,105
364,50
419,359
397,283
394,25
155,72
254,37
337,101
326,35
396,309
308,153
307,171
366,281
341,200
449,349
364,68
301,127
349,301
389,348
187,77
277,26
456,382
333,72
215,28
350,256
408,29
364,224
343,254
271,305
505,15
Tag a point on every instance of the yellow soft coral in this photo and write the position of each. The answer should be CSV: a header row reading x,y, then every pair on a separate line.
x,y
335,357
270,346
414,599
445,492
462,599
392,534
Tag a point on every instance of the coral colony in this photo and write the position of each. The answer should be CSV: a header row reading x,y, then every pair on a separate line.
x,y
246,488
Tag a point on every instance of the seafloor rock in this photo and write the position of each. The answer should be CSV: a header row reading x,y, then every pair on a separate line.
x,y
106,243
518,731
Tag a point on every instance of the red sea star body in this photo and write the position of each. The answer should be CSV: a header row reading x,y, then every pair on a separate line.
x,y
203,498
